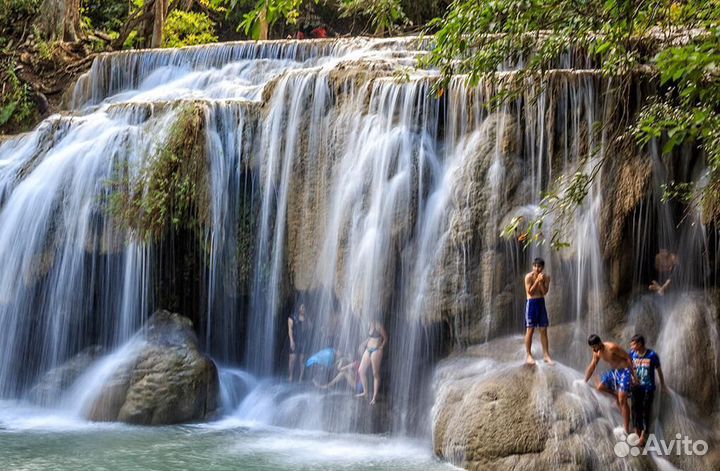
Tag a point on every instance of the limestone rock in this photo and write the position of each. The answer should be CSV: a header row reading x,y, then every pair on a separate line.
x,y
168,379
491,415
53,383
486,178
689,349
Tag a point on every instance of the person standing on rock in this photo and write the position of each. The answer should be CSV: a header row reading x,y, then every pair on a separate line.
x,y
298,336
537,285
645,362
619,379
372,354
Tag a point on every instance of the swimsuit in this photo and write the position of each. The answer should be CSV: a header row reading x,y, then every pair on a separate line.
x,y
535,313
373,334
618,380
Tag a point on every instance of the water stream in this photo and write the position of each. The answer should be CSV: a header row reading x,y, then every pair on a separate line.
x,y
336,179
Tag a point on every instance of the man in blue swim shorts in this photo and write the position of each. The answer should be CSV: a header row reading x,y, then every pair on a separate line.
x,y
537,285
619,379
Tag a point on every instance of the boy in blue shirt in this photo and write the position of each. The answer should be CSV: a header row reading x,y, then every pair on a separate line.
x,y
645,362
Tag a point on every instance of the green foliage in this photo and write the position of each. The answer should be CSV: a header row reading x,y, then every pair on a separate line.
x,y
262,16
16,105
16,14
480,37
45,49
268,12
171,191
105,15
688,113
385,15
132,41
680,41
186,28
559,203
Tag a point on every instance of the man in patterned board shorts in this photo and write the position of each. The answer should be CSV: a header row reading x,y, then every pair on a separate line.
x,y
619,380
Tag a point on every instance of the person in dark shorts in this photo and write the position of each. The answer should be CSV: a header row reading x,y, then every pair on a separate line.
x,y
537,285
298,333
646,362
619,379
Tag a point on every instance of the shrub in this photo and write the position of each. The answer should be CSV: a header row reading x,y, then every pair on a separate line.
x,y
186,28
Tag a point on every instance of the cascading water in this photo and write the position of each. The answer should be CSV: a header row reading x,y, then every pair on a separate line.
x,y
336,177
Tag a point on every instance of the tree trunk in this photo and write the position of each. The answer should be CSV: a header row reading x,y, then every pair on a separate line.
x,y
263,24
161,12
59,20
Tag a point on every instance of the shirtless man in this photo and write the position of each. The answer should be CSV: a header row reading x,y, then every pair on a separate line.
x,y
537,285
619,379
665,264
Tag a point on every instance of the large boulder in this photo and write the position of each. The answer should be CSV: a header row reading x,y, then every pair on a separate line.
x,y
165,380
50,387
689,348
493,412
504,415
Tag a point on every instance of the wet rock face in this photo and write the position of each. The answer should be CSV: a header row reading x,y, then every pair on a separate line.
x,y
689,348
491,415
335,413
167,381
50,387
468,275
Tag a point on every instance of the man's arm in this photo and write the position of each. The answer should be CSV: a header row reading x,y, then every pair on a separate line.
x,y
663,384
545,284
664,287
626,359
591,368
531,287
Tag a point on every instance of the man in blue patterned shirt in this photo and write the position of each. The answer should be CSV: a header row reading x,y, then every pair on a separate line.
x,y
645,362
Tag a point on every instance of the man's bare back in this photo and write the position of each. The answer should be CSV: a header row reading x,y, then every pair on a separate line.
x,y
614,355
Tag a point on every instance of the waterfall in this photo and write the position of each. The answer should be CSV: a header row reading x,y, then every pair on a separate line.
x,y
336,177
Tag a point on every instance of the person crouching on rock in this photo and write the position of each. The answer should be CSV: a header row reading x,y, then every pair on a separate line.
x,y
617,381
646,362
537,285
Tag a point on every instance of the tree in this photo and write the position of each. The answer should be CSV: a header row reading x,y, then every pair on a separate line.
x,y
160,13
258,21
679,42
384,15
147,19
59,20
186,28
